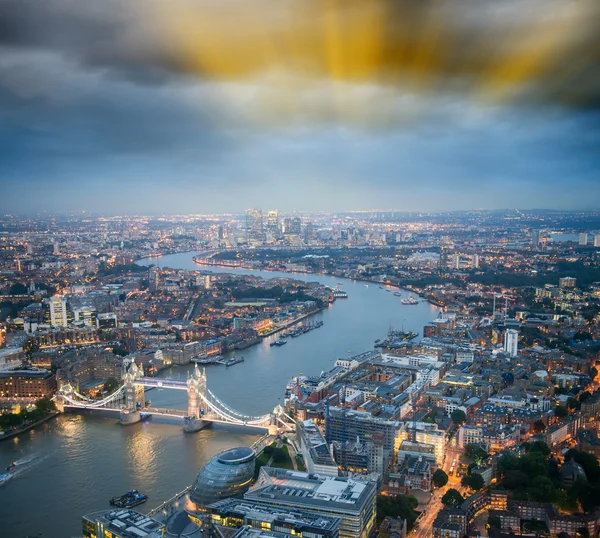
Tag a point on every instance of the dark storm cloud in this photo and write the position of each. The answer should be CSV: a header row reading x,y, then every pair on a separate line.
x,y
108,35
121,106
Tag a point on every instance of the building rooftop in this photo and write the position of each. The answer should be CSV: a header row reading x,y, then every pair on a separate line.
x,y
252,510
310,490
128,523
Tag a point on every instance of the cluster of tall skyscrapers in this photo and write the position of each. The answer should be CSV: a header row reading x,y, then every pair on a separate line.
x,y
257,231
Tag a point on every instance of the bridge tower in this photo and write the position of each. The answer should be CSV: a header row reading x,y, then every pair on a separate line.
x,y
196,390
130,414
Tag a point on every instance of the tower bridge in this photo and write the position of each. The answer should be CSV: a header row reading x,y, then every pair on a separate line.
x,y
204,408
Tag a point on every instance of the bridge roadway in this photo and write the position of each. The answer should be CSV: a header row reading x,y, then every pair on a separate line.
x,y
161,383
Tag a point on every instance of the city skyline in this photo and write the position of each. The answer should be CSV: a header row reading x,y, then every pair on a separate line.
x,y
148,116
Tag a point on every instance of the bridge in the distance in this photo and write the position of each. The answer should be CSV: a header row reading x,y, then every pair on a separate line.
x,y
204,408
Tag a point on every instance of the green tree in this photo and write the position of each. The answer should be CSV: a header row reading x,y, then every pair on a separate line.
x,y
588,461
475,453
560,411
494,522
439,478
17,289
508,462
542,490
402,506
539,426
474,481
538,446
111,384
45,406
458,416
452,498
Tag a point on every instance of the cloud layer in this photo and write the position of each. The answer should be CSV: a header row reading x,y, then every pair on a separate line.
x,y
191,106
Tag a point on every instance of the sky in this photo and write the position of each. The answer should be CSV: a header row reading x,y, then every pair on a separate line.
x,y
192,106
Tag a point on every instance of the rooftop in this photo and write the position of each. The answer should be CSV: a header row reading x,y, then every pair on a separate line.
x,y
310,490
128,523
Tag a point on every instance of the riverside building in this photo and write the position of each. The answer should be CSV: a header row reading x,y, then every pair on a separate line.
x,y
228,513
350,500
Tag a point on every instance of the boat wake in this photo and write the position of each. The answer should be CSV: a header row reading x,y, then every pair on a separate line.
x,y
20,467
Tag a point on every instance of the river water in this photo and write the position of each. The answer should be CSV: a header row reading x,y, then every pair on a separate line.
x,y
74,464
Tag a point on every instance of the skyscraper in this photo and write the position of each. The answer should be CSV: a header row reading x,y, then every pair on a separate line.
x,y
58,311
535,237
254,225
273,222
296,228
597,240
511,342
583,238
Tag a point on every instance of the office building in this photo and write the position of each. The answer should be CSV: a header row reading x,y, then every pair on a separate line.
x,y
235,513
254,225
597,240
226,475
350,500
273,222
120,523
583,239
344,425
85,315
423,433
315,450
511,342
296,226
535,237
154,278
57,307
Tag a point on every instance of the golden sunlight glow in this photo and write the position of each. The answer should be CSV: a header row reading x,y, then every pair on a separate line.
x,y
287,48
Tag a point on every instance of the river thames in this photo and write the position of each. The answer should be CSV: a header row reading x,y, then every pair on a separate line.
x,y
75,464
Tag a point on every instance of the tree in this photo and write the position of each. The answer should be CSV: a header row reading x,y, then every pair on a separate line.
x,y
402,506
474,481
593,372
458,416
475,453
508,462
494,522
111,384
17,289
588,461
45,406
573,404
452,498
560,411
439,478
538,446
539,426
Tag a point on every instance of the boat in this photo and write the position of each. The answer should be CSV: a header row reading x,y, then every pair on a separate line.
x,y
279,342
340,283
4,478
12,466
129,500
397,294
366,285
232,361
409,301
377,341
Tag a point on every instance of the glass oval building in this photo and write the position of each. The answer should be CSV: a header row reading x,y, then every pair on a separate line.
x,y
228,474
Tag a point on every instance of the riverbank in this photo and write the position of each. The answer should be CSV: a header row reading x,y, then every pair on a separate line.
x,y
285,269
24,429
292,322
